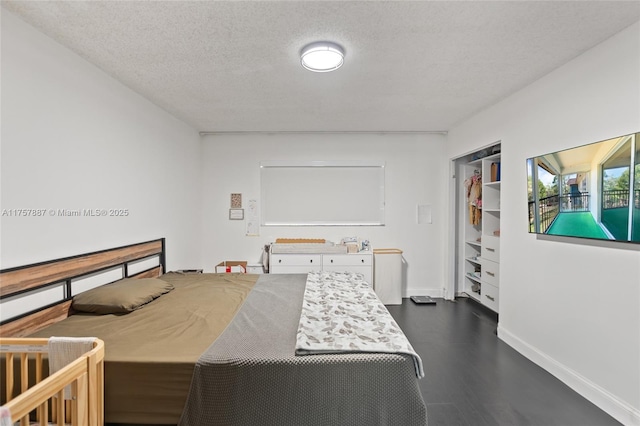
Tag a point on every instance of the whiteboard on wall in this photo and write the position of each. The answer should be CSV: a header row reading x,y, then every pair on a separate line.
x,y
321,193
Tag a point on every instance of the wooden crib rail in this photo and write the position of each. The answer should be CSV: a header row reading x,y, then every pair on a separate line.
x,y
85,375
53,386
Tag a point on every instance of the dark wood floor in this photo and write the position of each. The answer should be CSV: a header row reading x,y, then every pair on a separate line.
x,y
473,378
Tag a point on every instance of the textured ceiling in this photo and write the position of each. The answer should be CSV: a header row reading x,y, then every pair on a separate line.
x,y
410,65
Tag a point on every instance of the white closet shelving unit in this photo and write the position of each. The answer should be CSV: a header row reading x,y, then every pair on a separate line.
x,y
478,253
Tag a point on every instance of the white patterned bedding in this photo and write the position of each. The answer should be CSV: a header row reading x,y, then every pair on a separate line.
x,y
341,313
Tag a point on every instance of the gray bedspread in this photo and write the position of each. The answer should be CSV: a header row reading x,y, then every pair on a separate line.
x,y
251,375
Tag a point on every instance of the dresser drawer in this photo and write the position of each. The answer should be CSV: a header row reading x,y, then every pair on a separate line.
x,y
490,272
347,260
490,296
491,248
305,269
295,260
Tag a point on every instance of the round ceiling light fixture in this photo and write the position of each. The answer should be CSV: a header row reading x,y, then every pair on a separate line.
x,y
322,56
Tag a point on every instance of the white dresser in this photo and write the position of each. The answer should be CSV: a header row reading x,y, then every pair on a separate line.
x,y
295,263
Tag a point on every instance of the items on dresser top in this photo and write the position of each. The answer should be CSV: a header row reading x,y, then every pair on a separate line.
x,y
318,245
326,247
300,240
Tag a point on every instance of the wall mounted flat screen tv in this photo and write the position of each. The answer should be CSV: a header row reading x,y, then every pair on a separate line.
x,y
591,191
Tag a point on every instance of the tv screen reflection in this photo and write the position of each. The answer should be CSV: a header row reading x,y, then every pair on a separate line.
x,y
591,191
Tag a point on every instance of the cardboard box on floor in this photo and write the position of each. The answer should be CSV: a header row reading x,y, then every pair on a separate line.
x,y
232,266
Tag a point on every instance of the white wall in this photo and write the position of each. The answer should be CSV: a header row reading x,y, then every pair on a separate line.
x,y
75,138
570,305
415,174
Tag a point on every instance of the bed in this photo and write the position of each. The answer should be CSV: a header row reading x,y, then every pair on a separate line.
x,y
31,394
219,349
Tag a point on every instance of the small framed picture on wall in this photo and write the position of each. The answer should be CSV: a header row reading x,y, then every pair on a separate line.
x,y
236,214
236,201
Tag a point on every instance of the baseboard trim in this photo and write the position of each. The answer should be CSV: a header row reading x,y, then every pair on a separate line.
x,y
431,292
609,403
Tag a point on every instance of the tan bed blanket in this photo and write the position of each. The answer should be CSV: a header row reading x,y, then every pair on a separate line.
x,y
150,353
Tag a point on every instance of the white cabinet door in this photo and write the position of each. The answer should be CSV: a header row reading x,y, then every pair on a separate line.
x,y
491,248
490,296
491,272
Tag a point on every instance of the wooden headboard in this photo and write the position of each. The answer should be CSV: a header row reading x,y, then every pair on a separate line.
x,y
24,280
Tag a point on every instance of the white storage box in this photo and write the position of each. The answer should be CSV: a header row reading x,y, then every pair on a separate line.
x,y
231,266
255,268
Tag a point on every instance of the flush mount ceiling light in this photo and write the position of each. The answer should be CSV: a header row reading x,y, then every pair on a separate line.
x,y
322,56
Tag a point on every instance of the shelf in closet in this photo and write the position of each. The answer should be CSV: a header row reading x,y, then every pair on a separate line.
x,y
472,260
473,278
474,295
